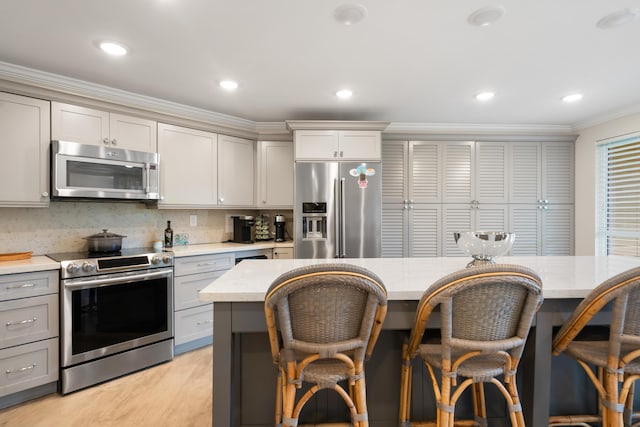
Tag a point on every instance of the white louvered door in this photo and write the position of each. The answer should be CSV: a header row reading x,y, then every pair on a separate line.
x,y
425,183
424,226
557,230
491,172
525,222
455,217
557,170
394,196
524,162
457,179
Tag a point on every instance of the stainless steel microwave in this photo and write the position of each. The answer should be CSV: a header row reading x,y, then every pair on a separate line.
x,y
85,171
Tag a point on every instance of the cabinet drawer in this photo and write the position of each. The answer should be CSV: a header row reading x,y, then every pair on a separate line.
x,y
28,366
203,264
193,323
28,319
283,253
23,285
186,288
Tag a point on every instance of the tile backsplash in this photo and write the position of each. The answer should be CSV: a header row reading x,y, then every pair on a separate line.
x,y
62,226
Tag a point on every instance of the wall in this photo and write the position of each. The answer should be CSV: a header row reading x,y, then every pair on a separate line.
x,y
61,227
585,183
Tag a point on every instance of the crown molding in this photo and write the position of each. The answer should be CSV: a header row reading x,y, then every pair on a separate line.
x,y
617,114
67,85
479,132
335,125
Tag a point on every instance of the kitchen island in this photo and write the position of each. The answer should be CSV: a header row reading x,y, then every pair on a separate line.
x,y
244,374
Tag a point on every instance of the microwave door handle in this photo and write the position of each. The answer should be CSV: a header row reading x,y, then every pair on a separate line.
x,y
147,169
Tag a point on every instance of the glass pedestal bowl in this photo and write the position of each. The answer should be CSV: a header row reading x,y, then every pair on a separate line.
x,y
484,246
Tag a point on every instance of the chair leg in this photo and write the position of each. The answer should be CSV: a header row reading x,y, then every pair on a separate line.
x,y
628,406
289,398
405,389
479,405
279,393
360,399
445,418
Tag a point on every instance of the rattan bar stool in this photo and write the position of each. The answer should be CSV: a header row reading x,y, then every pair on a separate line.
x,y
329,318
612,365
486,313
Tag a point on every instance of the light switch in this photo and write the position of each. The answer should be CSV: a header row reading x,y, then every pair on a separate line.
x,y
193,220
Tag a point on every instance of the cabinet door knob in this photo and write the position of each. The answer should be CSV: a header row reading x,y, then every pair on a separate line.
x,y
105,141
221,199
45,194
114,141
335,154
341,154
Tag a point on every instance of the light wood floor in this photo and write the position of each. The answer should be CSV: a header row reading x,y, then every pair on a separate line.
x,y
177,393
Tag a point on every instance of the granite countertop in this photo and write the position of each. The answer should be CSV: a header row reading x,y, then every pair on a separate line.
x,y
407,278
36,263
218,248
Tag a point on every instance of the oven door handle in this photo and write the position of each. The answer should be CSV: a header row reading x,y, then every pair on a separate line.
x,y
120,278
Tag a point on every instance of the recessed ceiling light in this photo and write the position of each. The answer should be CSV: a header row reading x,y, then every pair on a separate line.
x,y
486,16
113,48
344,94
229,84
572,98
349,14
618,19
485,96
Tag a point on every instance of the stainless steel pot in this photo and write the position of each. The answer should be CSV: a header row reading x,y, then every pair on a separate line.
x,y
104,242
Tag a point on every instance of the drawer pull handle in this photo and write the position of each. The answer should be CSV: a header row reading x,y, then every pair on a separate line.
x,y
206,264
15,371
22,286
205,322
22,322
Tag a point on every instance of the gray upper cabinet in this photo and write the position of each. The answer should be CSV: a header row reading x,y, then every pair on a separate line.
x,y
24,139
542,186
541,171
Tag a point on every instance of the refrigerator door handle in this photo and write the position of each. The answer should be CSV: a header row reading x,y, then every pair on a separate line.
x,y
343,220
336,196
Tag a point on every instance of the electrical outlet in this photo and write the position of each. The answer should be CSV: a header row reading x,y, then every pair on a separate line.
x,y
193,220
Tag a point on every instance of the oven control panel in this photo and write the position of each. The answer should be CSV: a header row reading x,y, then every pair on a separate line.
x,y
112,264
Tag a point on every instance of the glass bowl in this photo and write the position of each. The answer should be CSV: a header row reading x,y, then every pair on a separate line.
x,y
484,246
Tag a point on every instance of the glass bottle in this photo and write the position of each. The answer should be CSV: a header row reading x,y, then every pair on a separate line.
x,y
168,236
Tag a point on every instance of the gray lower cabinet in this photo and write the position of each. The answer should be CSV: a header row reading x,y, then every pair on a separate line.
x,y
29,331
193,319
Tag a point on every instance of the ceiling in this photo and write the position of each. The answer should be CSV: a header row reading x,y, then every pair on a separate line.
x,y
411,61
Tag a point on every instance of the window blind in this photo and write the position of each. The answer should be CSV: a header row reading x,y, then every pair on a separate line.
x,y
620,194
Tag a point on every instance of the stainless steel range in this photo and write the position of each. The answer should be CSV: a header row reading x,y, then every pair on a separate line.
x,y
116,314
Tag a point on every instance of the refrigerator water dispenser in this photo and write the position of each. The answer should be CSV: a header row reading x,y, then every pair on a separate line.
x,y
314,220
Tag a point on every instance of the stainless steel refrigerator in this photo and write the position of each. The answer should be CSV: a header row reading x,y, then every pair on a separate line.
x,y
337,209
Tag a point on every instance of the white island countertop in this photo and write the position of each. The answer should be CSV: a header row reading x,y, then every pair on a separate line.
x,y
407,278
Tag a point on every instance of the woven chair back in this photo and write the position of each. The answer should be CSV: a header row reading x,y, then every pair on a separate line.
x,y
326,307
632,312
622,293
488,309
490,305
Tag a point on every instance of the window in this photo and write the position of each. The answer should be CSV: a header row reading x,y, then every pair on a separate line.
x,y
619,197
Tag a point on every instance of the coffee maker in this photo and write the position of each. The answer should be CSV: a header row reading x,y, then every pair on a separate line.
x,y
242,229
279,224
